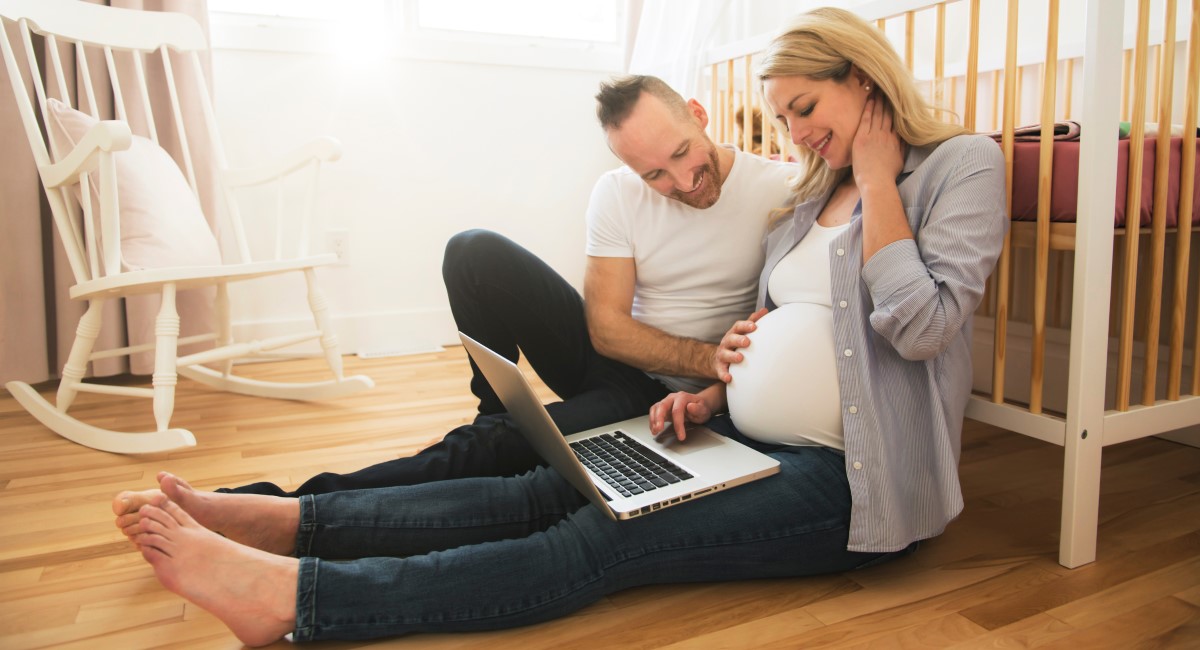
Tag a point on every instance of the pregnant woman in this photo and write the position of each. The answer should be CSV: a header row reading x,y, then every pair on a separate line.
x,y
868,289
856,381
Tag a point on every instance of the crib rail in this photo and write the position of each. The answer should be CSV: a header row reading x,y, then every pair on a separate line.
x,y
1153,321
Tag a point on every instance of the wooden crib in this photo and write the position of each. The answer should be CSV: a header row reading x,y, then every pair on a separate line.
x,y
1107,307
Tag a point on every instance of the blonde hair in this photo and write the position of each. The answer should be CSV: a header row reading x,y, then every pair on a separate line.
x,y
823,44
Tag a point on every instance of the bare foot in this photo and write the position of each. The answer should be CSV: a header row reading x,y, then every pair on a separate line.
x,y
253,592
259,521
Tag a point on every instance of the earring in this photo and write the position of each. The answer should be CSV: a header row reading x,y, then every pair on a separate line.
x,y
867,87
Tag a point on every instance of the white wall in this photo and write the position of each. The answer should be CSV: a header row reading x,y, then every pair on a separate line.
x,y
430,148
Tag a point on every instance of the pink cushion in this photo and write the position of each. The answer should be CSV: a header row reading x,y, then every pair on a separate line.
x,y
161,221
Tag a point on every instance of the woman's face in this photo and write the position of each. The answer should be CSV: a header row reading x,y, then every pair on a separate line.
x,y
820,115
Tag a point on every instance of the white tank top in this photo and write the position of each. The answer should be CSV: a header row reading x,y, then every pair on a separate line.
x,y
786,389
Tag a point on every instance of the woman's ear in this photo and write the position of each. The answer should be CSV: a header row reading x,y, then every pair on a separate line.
x,y
864,81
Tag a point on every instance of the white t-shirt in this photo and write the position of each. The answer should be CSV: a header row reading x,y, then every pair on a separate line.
x,y
785,390
697,270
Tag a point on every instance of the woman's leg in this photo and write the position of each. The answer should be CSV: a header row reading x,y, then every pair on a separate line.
x,y
792,524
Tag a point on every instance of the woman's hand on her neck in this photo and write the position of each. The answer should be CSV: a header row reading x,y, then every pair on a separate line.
x,y
878,158
877,152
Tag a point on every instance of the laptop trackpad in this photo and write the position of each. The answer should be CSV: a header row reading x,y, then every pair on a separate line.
x,y
698,439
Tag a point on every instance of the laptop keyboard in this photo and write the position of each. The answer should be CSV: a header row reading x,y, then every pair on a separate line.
x,y
626,464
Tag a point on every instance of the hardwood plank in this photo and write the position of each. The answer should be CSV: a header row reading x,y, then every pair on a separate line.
x,y
1164,623
1031,632
1082,582
1128,596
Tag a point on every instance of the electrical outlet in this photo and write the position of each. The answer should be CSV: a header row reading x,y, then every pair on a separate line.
x,y
337,241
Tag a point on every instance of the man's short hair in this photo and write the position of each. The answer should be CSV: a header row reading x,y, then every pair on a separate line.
x,y
617,97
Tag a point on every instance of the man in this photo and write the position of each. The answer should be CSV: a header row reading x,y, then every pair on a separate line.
x,y
674,252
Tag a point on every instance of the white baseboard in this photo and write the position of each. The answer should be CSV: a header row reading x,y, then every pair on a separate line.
x,y
373,334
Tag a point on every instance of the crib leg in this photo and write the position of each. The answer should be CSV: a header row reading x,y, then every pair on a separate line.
x,y
1081,498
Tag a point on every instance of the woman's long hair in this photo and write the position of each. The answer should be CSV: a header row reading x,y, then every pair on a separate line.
x,y
823,44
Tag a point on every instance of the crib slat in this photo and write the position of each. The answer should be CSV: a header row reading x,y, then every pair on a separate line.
x,y
747,107
995,100
1126,80
730,102
909,30
1042,249
1187,171
1158,223
1068,88
768,132
1156,59
713,104
1004,264
972,67
939,59
1133,202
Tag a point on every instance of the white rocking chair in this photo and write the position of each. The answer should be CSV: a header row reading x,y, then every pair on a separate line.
x,y
73,164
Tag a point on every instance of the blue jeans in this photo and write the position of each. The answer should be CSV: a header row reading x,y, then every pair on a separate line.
x,y
487,553
504,296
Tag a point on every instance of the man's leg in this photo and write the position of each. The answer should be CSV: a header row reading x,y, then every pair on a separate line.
x,y
504,296
491,446
507,298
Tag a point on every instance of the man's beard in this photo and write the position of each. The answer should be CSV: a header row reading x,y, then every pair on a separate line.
x,y
711,192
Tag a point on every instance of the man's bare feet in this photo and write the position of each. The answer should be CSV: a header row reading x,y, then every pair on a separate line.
x,y
253,592
263,522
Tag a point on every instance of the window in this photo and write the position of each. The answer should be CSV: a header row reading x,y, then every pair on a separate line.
x,y
313,9
580,34
579,20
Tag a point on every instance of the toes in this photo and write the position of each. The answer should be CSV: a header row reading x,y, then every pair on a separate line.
x,y
178,514
129,502
151,554
121,502
175,487
127,520
155,513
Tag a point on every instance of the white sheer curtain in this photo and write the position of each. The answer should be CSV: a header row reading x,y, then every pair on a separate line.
x,y
671,39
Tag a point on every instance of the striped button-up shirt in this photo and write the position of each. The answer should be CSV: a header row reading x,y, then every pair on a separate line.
x,y
902,336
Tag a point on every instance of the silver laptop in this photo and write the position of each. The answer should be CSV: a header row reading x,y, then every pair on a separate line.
x,y
620,467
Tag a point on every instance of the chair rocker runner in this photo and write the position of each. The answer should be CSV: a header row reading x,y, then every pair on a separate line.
x,y
103,182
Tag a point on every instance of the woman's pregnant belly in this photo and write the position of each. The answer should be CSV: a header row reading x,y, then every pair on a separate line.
x,y
786,390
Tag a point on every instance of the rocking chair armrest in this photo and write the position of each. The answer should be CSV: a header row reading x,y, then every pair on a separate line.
x,y
108,136
322,149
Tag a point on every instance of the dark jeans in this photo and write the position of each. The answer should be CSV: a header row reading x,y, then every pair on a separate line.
x,y
488,553
505,297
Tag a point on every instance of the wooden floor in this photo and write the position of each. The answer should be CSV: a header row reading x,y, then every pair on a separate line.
x,y
69,580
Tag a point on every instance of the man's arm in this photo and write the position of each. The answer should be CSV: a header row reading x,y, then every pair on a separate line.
x,y
608,288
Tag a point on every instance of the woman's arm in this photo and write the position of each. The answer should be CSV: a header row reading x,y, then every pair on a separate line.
x,y
924,294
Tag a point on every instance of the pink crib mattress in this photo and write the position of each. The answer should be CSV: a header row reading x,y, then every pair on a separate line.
x,y
1065,181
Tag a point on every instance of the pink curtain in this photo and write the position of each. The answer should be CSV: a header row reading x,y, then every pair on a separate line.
x,y
37,318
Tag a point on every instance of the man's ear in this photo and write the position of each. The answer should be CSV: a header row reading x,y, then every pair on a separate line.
x,y
698,113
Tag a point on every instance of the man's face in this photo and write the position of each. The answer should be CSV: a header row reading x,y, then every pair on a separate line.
x,y
670,151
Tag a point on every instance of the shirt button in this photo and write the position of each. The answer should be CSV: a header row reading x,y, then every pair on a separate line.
x,y
853,410
841,252
848,352
842,304
857,465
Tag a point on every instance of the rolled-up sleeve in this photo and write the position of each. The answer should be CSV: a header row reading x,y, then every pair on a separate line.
x,y
925,289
